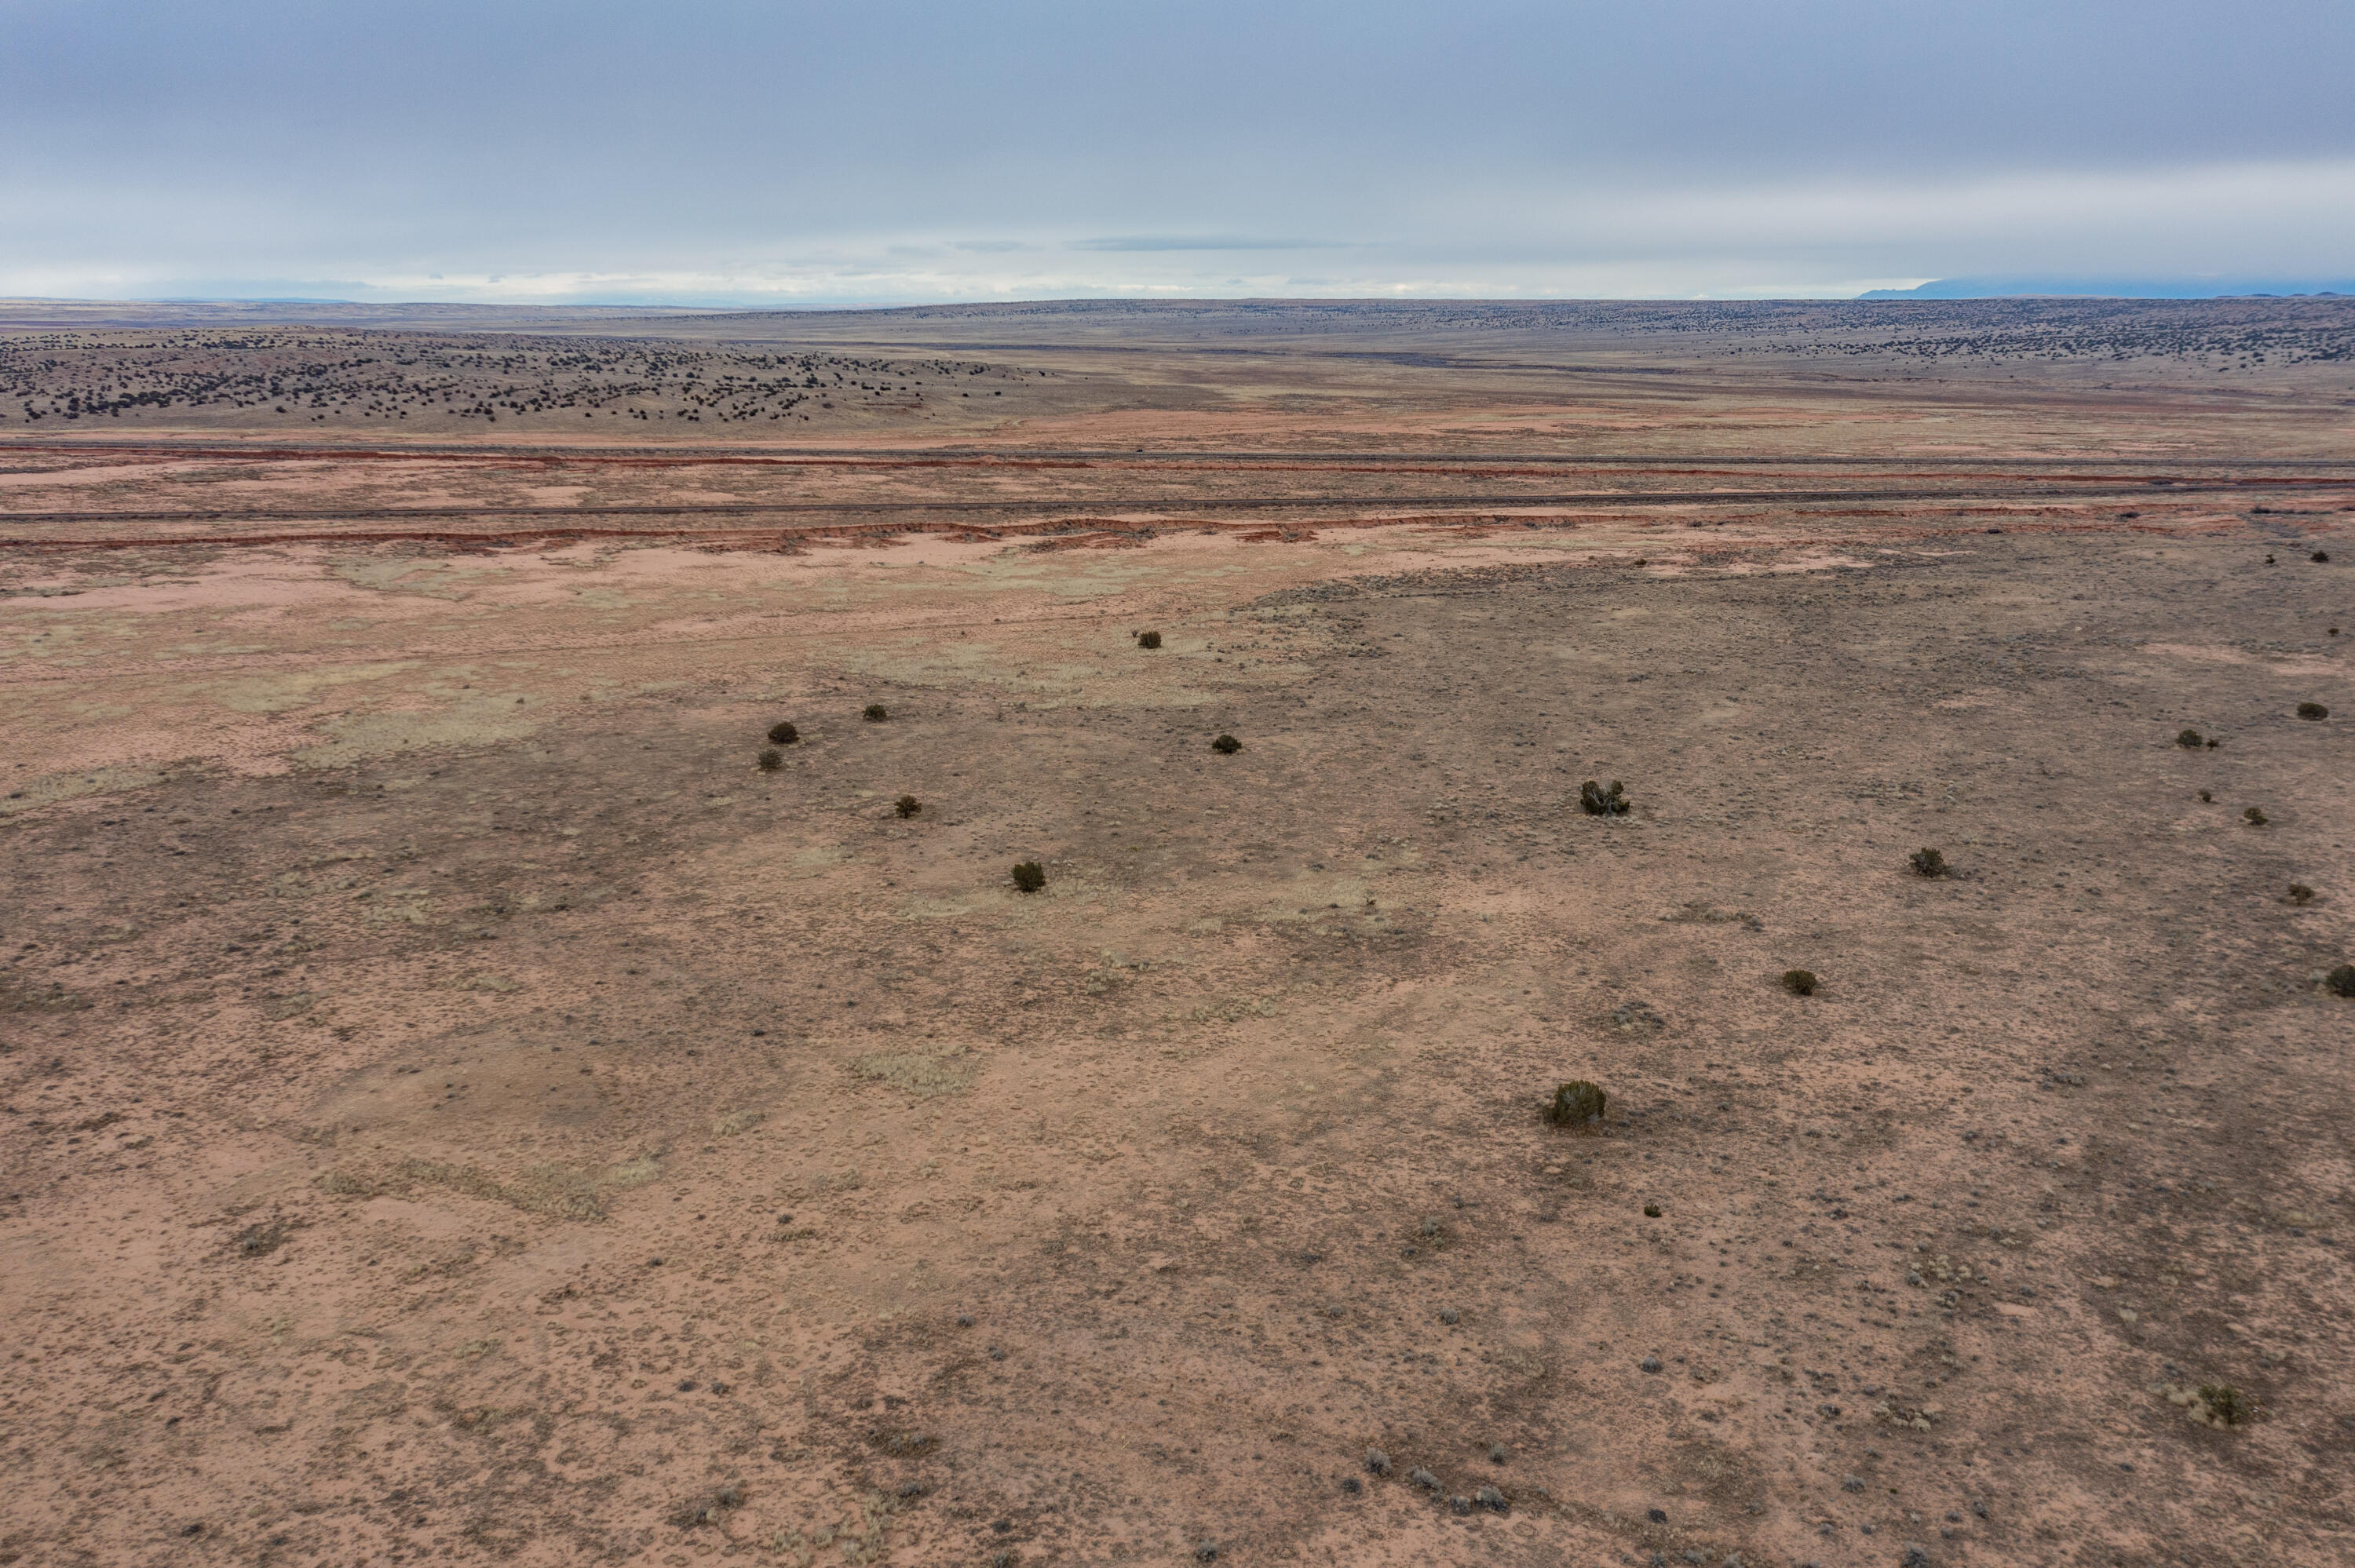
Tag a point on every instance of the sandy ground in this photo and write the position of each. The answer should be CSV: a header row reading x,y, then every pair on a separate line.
x,y
459,1109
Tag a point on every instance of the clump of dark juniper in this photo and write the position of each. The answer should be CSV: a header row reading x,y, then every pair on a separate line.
x,y
1577,1104
2254,818
1226,746
2228,1405
907,805
875,713
2190,739
1029,876
1929,863
1800,982
771,759
783,732
1596,801
1148,640
2312,711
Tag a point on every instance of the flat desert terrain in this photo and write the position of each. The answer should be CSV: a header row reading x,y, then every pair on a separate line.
x,y
461,1102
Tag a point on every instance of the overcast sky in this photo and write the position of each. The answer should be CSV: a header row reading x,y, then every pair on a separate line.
x,y
874,151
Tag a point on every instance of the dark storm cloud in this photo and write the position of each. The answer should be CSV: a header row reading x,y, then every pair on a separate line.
x,y
810,151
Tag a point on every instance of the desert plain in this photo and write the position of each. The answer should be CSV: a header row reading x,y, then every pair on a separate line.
x,y
464,1103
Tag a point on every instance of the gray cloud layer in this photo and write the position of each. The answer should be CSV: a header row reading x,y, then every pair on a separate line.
x,y
894,151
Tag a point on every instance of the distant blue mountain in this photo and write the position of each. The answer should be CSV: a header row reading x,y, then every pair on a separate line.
x,y
2111,287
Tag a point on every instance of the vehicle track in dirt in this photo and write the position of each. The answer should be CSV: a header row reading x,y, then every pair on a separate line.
x,y
1159,512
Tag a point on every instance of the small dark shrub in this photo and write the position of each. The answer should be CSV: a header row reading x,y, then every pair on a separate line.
x,y
907,805
2341,981
2190,739
2206,795
2213,742
1799,982
2269,560
1577,1104
2253,817
1148,640
875,713
1226,746
2334,631
783,733
1377,1462
2319,555
1029,876
1596,801
771,759
1929,863
255,1240
2227,1403
2312,711
2299,893
1651,1211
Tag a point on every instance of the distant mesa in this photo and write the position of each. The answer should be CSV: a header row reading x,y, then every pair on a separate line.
x,y
2004,286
